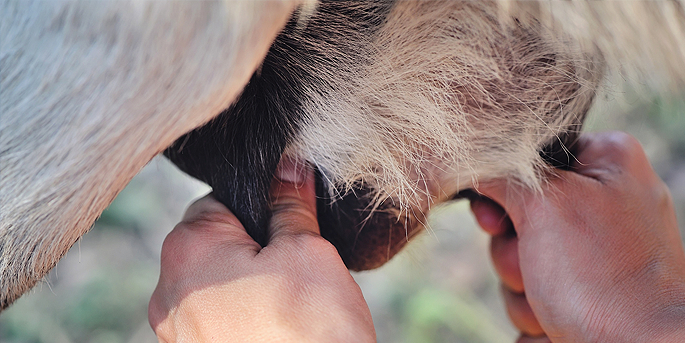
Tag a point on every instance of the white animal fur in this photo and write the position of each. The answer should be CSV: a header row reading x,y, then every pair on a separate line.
x,y
92,90
444,103
450,94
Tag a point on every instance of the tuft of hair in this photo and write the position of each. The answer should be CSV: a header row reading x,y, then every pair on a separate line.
x,y
444,95
641,41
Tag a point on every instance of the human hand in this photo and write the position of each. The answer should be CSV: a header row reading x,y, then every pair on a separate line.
x,y
219,285
596,256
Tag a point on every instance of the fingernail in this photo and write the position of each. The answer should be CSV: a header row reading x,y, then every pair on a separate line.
x,y
291,171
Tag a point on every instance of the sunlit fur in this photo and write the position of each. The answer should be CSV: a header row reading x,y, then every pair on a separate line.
x,y
447,94
90,92
457,92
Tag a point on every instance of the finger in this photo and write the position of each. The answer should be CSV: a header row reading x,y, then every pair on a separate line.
x,y
526,339
293,200
521,314
212,219
514,200
602,153
490,216
595,155
206,204
505,258
208,233
521,203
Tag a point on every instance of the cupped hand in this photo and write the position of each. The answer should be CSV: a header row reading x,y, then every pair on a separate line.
x,y
218,285
595,256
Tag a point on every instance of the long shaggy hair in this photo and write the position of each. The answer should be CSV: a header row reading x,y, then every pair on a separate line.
x,y
400,103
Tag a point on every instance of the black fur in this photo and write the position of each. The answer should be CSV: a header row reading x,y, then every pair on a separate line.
x,y
237,152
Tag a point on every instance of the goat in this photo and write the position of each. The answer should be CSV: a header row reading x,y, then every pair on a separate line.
x,y
398,105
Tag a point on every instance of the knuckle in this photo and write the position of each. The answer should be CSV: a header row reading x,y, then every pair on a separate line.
x,y
291,205
316,242
174,240
663,195
182,246
174,249
311,242
304,238
292,215
205,219
622,147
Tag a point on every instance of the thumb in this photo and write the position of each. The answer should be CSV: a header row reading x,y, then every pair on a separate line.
x,y
515,200
293,200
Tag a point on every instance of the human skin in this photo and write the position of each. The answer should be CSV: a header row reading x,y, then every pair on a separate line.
x,y
596,256
218,285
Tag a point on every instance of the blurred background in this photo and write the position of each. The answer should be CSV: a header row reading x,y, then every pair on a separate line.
x,y
441,288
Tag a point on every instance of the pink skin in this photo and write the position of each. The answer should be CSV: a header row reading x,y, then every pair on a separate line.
x,y
219,285
597,256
